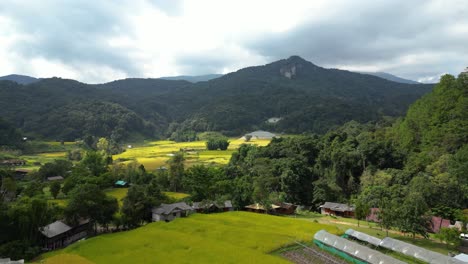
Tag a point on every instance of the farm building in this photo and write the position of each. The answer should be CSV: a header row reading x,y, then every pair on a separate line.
x,y
373,215
337,209
420,253
212,207
273,120
279,208
55,178
59,234
168,212
121,184
285,208
437,223
259,134
20,174
9,261
13,162
351,251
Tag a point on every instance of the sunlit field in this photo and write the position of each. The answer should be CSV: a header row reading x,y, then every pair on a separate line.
x,y
234,237
117,193
155,154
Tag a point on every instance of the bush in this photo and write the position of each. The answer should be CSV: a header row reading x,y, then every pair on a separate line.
x,y
221,143
18,249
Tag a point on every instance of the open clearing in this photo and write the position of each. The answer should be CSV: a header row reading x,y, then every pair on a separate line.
x,y
233,237
152,154
119,194
155,154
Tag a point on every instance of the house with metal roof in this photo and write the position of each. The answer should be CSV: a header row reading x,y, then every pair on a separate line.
x,y
337,209
212,207
168,212
55,178
58,234
260,134
121,184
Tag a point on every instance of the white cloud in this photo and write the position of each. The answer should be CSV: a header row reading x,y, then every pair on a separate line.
x,y
100,41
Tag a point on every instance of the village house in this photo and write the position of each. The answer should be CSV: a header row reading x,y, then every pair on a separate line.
x,y
20,174
58,234
55,178
286,208
337,209
13,162
259,134
212,207
279,208
168,212
121,184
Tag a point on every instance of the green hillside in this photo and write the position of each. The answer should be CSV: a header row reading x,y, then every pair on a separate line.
x,y
307,97
234,237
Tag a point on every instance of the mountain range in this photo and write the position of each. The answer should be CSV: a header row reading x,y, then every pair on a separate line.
x,y
308,98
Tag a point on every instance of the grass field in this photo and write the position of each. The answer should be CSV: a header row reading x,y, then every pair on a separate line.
x,y
234,237
117,193
155,154
152,154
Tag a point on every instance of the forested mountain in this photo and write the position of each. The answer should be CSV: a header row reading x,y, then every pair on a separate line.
x,y
193,79
21,79
306,96
391,77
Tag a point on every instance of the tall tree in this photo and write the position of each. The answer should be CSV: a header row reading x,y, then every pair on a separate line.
x,y
89,202
55,189
176,171
412,216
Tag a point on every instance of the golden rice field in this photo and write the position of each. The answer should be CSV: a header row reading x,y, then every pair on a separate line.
x,y
233,237
155,154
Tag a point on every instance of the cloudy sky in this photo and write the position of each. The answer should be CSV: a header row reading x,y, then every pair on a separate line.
x,y
97,41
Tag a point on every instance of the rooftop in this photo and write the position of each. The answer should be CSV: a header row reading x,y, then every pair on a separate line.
x,y
337,207
169,208
54,229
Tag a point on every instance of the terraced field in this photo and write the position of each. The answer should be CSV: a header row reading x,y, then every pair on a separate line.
x,y
155,154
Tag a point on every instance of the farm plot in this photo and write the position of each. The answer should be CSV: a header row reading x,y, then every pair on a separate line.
x,y
234,237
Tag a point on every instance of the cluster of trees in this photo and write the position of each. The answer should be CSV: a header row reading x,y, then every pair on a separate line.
x,y
214,143
24,207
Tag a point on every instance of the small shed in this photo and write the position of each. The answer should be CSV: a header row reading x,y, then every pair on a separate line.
x,y
121,184
20,174
258,208
212,207
285,208
55,178
260,134
337,209
168,212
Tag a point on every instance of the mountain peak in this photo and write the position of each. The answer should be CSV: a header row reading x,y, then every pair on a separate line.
x,y
21,79
296,58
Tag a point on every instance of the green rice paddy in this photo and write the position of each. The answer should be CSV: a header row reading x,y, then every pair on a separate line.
x,y
233,237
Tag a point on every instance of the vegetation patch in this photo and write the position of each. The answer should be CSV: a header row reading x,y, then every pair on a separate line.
x,y
234,237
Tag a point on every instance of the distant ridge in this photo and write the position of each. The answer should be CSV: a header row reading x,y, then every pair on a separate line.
x,y
391,77
307,97
21,79
193,79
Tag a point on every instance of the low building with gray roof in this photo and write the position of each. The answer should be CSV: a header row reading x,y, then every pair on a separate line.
x,y
168,212
337,209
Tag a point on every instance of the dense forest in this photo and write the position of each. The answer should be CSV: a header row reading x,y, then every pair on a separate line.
x,y
308,98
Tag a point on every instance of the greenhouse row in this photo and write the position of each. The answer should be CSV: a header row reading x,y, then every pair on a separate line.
x,y
404,248
353,249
